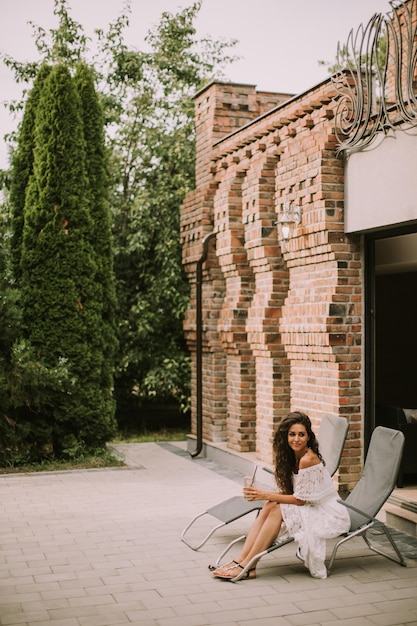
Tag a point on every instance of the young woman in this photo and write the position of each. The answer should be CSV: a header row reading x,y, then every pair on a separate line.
x,y
304,507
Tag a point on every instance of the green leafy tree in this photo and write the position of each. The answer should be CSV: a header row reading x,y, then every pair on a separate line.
x,y
368,52
149,113
151,116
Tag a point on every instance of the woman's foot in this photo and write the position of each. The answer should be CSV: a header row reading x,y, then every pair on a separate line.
x,y
231,571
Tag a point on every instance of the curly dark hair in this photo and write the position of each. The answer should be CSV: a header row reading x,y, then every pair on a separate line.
x,y
285,461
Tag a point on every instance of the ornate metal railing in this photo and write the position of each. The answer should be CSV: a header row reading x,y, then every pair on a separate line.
x,y
377,77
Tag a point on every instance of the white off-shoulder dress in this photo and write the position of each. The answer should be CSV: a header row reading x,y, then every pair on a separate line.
x,y
322,517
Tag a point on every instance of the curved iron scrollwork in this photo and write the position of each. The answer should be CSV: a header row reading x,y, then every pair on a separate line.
x,y
377,85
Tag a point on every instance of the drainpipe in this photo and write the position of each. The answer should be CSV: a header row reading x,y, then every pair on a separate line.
x,y
199,345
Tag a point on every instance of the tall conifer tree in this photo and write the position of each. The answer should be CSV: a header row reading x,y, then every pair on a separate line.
x,y
22,167
61,311
100,235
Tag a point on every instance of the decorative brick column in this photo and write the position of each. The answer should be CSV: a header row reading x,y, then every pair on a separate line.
x,y
271,286
240,372
220,108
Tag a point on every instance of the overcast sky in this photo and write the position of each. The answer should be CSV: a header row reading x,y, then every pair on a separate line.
x,y
280,41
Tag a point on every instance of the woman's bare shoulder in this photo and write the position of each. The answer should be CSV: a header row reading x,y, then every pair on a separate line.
x,y
309,459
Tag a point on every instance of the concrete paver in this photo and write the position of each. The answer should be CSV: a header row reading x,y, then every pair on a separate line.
x,y
102,547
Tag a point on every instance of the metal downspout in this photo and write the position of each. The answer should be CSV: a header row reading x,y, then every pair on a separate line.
x,y
199,345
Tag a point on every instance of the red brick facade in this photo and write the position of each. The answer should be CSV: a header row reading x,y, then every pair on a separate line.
x,y
282,320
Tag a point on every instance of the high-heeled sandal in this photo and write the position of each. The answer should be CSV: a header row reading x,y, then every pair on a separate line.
x,y
298,554
223,568
226,574
232,564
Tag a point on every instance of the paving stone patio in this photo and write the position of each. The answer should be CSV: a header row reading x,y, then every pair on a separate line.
x,y
102,547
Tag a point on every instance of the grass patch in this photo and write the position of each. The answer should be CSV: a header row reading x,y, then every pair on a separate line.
x,y
165,434
101,458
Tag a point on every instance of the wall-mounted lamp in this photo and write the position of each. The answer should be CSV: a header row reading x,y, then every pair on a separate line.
x,y
289,217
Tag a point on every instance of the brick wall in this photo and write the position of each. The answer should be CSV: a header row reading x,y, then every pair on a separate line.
x,y
282,319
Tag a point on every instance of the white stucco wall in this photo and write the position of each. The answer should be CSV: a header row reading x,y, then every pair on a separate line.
x,y
381,184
